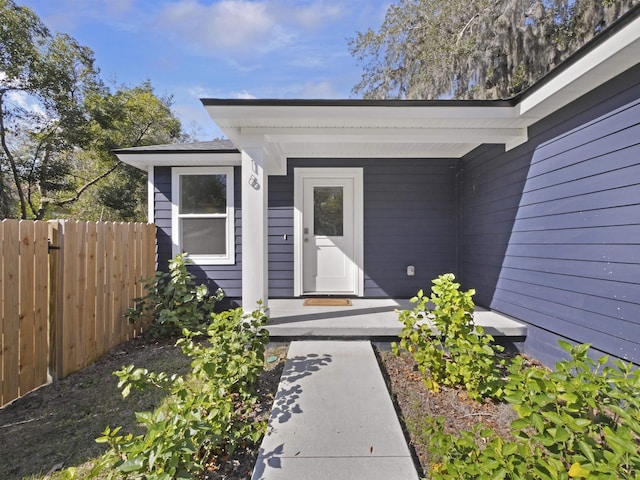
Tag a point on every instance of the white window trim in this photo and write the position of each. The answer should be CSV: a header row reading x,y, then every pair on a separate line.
x,y
230,257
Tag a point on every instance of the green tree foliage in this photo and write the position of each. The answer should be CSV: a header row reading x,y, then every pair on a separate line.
x,y
484,49
59,122
128,117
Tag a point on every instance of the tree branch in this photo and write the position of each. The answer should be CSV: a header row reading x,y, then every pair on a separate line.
x,y
83,188
12,163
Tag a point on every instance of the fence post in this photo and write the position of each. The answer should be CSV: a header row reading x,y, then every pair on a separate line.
x,y
56,291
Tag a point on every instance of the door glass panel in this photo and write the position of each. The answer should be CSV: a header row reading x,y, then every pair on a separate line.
x,y
327,211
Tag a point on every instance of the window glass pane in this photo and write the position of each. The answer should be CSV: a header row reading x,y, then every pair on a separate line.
x,y
203,193
204,236
327,211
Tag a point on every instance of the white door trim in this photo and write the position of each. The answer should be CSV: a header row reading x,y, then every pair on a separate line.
x,y
358,215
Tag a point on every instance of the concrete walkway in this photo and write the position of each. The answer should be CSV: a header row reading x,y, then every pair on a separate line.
x,y
333,419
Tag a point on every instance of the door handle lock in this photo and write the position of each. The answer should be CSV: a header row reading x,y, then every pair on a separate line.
x,y
306,230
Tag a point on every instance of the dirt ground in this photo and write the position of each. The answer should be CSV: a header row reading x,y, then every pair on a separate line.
x,y
415,402
55,426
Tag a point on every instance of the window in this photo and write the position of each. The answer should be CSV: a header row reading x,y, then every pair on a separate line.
x,y
202,214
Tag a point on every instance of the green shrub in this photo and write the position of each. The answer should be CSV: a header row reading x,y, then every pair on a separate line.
x,y
207,412
448,348
581,420
174,301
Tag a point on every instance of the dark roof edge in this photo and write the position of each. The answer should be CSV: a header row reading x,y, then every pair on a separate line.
x,y
610,31
266,102
211,146
133,151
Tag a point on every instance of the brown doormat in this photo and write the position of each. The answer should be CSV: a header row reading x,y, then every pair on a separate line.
x,y
327,302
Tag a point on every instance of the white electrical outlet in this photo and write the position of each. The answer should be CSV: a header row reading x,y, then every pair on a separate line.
x,y
411,270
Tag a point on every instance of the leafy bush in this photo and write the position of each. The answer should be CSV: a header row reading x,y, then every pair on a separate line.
x,y
448,348
208,412
174,301
580,421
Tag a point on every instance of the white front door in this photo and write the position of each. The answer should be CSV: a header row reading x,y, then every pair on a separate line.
x,y
329,208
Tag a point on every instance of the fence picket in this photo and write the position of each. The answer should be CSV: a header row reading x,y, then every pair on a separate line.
x,y
116,285
11,315
63,308
26,306
70,317
41,288
101,344
124,284
90,291
108,299
2,356
56,292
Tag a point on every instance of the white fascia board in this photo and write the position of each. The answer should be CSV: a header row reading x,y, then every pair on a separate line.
x,y
392,135
235,120
607,60
180,159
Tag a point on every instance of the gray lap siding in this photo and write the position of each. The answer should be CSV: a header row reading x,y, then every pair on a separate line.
x,y
227,277
550,231
409,219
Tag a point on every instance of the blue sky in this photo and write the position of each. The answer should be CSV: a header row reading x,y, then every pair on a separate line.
x,y
193,49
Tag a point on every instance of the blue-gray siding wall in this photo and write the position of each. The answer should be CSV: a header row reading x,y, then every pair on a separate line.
x,y
409,219
227,277
550,231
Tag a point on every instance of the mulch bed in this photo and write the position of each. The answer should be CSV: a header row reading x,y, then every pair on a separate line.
x,y
415,402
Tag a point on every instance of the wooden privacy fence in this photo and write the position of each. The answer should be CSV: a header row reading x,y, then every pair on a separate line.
x,y
64,289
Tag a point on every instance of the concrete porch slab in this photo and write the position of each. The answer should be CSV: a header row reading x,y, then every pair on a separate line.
x,y
366,318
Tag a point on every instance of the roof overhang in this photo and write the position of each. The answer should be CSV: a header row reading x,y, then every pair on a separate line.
x,y
421,129
366,129
196,154
145,159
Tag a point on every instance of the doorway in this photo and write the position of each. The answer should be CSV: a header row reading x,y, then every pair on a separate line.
x,y
328,213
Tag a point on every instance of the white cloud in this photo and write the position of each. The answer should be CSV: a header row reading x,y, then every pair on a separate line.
x,y
26,102
244,95
246,28
314,16
228,27
206,92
